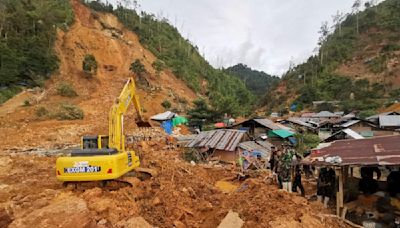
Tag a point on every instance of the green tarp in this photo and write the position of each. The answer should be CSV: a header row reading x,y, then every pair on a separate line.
x,y
280,133
179,120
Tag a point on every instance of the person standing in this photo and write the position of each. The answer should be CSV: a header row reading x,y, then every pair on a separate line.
x,y
297,181
325,185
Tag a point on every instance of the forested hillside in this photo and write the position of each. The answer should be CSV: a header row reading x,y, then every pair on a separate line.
x,y
357,62
257,82
27,35
227,94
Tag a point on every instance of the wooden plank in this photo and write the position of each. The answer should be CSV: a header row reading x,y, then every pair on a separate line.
x,y
339,193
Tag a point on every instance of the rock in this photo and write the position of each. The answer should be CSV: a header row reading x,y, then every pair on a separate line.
x,y
66,210
102,222
156,201
231,220
179,224
91,193
137,222
5,218
101,205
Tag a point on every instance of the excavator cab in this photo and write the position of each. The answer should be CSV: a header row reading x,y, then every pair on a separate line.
x,y
94,142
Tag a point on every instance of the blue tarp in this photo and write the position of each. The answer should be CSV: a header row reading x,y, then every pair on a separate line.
x,y
293,140
167,126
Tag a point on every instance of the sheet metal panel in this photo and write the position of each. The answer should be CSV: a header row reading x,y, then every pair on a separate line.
x,y
217,137
389,121
371,151
224,139
207,138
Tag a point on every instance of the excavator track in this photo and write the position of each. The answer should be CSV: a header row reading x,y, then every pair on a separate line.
x,y
130,179
108,185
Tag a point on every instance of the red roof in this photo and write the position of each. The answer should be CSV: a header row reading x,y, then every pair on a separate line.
x,y
371,151
308,114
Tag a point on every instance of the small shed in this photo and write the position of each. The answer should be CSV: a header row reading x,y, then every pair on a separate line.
x,y
222,143
375,118
390,122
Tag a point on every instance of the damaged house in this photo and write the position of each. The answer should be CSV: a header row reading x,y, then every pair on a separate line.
x,y
227,144
259,127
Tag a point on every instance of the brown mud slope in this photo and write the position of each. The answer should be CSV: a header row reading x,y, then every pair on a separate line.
x,y
181,195
114,48
359,66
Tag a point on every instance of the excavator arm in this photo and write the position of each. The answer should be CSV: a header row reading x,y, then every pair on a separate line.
x,y
116,116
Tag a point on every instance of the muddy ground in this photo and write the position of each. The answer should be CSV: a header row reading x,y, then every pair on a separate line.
x,y
181,195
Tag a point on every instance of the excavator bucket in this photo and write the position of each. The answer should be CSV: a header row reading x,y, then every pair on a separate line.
x,y
141,123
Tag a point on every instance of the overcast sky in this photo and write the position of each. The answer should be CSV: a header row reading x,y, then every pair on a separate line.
x,y
263,34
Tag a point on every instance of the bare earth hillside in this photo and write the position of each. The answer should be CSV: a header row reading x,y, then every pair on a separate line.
x,y
115,49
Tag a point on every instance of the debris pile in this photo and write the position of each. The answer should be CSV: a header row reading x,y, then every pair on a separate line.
x,y
180,195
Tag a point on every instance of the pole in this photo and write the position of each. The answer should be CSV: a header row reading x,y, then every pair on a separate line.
x,y
339,193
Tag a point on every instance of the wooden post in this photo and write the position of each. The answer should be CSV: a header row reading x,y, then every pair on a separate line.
x,y
339,193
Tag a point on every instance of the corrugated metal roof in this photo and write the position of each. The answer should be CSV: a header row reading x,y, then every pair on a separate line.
x,y
350,123
263,146
308,114
350,115
224,139
352,134
300,122
282,133
382,114
371,151
325,114
389,121
267,123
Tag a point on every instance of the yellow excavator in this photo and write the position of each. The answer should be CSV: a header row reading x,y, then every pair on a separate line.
x,y
104,157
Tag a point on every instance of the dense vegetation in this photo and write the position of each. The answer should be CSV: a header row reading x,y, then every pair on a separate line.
x,y
316,79
227,94
27,34
257,82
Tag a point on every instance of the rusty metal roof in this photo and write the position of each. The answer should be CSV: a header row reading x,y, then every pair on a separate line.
x,y
224,139
263,146
372,151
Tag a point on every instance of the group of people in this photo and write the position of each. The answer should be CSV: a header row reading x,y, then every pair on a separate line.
x,y
285,165
281,164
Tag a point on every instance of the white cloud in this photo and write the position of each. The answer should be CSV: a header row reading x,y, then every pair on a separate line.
x,y
264,34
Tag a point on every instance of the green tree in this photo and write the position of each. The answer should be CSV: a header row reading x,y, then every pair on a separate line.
x,y
89,64
200,111
137,67
159,66
166,104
